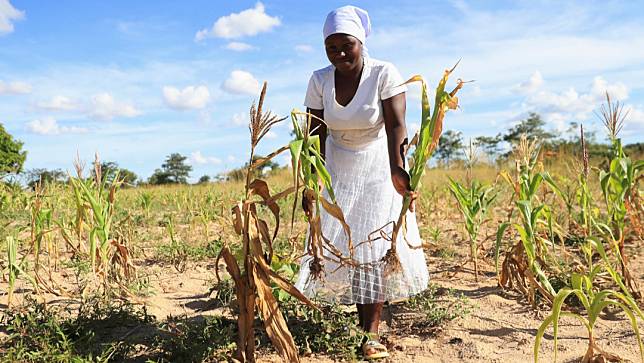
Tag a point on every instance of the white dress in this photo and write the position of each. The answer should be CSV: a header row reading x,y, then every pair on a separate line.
x,y
357,159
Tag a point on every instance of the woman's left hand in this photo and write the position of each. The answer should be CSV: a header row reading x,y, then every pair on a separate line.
x,y
400,179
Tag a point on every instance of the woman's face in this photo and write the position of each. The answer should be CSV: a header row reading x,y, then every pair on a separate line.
x,y
344,51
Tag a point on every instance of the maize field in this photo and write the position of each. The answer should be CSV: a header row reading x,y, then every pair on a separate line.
x,y
532,258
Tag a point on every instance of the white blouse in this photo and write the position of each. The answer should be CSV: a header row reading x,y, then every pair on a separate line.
x,y
361,121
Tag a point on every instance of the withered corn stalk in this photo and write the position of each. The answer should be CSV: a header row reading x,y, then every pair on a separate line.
x,y
429,134
252,273
96,202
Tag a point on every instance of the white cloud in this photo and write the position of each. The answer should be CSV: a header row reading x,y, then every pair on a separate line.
x,y
8,14
190,97
559,108
532,84
49,126
104,107
303,49
561,40
58,103
15,87
236,25
205,116
635,120
239,46
271,135
241,82
231,158
198,158
617,91
240,119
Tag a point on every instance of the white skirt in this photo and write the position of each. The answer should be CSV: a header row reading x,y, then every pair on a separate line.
x,y
363,188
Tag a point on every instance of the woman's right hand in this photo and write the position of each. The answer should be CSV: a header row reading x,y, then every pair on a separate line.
x,y
400,178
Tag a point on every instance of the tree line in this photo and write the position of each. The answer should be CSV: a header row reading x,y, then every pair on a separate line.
x,y
451,145
176,170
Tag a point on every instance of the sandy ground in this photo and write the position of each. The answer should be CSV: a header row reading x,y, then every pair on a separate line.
x,y
501,326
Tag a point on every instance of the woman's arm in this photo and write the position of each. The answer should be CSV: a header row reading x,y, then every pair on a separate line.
x,y
319,127
393,109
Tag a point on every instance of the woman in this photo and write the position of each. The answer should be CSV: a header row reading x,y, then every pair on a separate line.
x,y
363,139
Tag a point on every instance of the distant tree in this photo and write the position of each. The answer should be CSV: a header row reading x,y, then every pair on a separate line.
x,y
533,127
35,176
240,173
489,145
269,165
205,179
109,170
128,176
236,174
449,145
221,177
173,171
12,157
635,150
590,137
159,177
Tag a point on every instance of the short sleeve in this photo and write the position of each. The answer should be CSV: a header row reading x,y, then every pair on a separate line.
x,y
390,82
313,99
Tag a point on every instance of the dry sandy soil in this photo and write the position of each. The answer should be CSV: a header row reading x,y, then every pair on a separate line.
x,y
501,326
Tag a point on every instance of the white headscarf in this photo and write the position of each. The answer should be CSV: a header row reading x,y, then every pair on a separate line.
x,y
348,20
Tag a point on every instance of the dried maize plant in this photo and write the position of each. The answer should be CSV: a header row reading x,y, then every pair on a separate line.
x,y
524,263
427,141
587,217
308,169
250,270
584,196
41,228
41,220
82,209
96,198
619,186
473,200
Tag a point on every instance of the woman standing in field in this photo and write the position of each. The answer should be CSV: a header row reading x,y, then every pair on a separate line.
x,y
363,139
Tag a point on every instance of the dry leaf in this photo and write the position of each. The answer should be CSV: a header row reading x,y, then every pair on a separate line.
x,y
334,210
238,220
259,187
274,322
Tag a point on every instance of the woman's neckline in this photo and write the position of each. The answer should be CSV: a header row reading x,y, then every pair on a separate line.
x,y
362,75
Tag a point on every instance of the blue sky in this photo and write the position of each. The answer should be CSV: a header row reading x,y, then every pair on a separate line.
x,y
136,81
